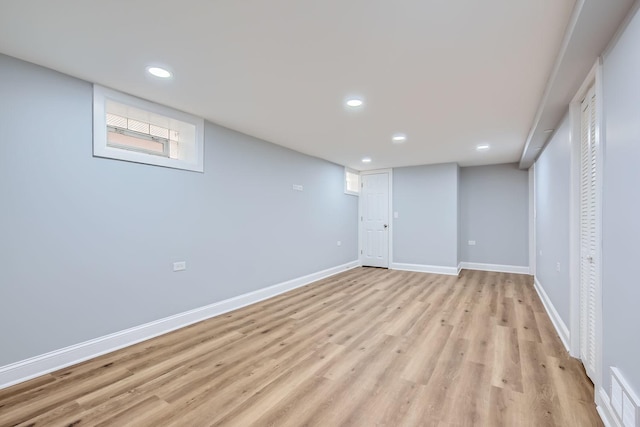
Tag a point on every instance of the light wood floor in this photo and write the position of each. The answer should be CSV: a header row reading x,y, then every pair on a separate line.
x,y
367,347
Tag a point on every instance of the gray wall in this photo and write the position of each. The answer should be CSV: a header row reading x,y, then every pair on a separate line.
x,y
426,230
553,204
621,208
87,244
494,203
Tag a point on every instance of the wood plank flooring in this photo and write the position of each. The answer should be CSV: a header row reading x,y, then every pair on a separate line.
x,y
368,347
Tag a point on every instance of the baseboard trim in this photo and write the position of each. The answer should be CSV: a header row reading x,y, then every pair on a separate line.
x,y
605,410
49,362
495,267
561,327
421,268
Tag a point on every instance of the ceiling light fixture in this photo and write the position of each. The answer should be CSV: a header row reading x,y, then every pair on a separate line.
x,y
548,130
482,147
399,138
366,160
354,102
159,72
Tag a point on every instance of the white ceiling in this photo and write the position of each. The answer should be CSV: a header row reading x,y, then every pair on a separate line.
x,y
449,74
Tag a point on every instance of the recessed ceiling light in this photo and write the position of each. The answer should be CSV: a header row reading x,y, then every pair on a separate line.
x,y
399,138
354,102
159,72
482,147
366,160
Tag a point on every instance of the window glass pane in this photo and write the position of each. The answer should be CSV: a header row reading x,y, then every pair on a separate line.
x,y
137,126
159,131
352,181
137,144
116,121
173,150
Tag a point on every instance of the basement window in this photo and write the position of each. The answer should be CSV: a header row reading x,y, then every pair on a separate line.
x,y
351,182
132,129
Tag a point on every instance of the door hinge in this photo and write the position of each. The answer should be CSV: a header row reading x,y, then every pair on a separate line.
x,y
362,185
360,251
360,218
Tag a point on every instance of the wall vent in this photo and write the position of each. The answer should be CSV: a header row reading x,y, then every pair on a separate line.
x,y
624,402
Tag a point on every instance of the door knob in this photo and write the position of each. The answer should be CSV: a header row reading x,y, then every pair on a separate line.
x,y
385,226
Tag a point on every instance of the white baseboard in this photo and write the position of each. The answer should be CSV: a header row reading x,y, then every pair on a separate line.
x,y
34,367
421,268
603,405
561,327
495,267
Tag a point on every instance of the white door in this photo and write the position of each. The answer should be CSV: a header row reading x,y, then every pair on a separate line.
x,y
375,220
589,240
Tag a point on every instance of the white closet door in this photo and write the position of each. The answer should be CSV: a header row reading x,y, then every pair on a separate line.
x,y
588,234
375,220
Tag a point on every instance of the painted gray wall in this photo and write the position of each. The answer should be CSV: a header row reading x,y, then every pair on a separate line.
x,y
87,244
553,204
426,230
494,202
621,208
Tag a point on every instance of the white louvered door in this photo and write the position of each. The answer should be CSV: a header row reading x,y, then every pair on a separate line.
x,y
589,261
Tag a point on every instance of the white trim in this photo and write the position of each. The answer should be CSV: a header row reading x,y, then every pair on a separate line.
x,y
494,267
532,219
421,268
606,412
558,323
360,201
36,366
600,141
574,229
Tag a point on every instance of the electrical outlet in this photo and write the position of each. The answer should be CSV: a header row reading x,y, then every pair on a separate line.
x,y
557,266
339,243
472,242
298,187
395,215
179,266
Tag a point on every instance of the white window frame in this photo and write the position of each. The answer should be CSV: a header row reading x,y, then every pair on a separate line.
x,y
347,191
101,149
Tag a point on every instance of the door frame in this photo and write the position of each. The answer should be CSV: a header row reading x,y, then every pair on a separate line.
x,y
360,201
594,78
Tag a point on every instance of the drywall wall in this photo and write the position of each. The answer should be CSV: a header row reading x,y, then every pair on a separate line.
x,y
621,207
87,244
494,203
553,204
426,200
